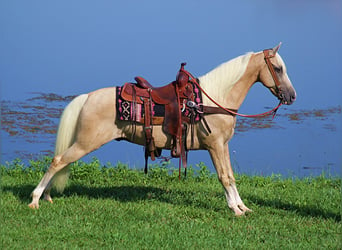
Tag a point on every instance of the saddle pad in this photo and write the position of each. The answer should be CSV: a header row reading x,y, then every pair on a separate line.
x,y
126,111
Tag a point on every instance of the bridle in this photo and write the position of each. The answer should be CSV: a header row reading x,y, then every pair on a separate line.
x,y
267,57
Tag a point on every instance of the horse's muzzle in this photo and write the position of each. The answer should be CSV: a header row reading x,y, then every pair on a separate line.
x,y
288,97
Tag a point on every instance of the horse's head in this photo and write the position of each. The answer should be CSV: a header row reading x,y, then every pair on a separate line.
x,y
273,75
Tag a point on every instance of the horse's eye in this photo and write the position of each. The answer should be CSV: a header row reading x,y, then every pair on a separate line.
x,y
279,70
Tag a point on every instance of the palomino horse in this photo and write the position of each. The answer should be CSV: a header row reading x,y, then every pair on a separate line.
x,y
90,121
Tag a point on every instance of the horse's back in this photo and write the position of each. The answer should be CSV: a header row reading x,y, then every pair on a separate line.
x,y
101,102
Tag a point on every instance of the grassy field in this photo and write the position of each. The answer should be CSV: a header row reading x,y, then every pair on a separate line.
x,y
106,207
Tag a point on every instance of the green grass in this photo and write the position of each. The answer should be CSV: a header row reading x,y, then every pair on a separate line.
x,y
115,207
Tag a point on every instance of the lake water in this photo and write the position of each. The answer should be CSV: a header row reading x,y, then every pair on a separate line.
x,y
297,143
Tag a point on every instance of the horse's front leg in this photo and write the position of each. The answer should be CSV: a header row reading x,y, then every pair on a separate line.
x,y
220,157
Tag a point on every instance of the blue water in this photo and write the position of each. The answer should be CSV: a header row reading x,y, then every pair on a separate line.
x,y
297,143
76,47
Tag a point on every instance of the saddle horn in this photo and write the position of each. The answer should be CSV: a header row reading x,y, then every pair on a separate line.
x,y
182,78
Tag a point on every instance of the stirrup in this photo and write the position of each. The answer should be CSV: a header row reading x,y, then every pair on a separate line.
x,y
176,148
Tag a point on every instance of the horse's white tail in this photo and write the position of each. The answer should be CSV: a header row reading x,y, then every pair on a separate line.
x,y
66,137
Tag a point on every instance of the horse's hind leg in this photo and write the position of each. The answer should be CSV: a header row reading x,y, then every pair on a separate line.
x,y
59,162
220,157
64,172
94,127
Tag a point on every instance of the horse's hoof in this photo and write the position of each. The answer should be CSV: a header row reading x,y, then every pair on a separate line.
x,y
33,205
238,212
48,198
244,209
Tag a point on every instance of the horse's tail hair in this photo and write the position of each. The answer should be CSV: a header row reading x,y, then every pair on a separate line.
x,y
66,136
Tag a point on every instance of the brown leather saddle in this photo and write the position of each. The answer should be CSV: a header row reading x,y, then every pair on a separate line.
x,y
176,97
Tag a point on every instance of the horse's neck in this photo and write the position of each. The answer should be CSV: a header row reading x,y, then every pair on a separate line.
x,y
229,83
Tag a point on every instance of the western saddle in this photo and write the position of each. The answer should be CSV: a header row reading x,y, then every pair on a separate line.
x,y
176,97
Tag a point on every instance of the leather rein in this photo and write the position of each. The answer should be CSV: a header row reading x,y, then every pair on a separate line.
x,y
222,110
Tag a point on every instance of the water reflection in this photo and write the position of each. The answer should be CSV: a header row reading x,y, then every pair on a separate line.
x,y
28,128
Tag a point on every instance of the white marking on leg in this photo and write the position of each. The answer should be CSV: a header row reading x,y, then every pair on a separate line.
x,y
238,200
232,202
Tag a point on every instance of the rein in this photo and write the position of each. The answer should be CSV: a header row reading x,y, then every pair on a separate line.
x,y
233,112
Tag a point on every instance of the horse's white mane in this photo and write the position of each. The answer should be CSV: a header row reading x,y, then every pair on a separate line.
x,y
222,78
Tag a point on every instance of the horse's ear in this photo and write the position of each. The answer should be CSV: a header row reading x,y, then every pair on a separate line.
x,y
276,48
